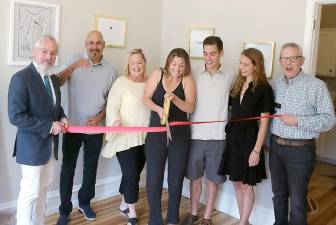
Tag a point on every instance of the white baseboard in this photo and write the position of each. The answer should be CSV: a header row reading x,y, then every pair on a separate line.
x,y
226,202
105,188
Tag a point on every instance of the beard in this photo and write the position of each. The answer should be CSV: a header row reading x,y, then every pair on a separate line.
x,y
44,68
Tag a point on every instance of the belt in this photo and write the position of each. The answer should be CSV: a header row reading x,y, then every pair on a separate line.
x,y
293,142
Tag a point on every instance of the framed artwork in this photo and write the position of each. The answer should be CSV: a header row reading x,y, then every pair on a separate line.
x,y
196,38
29,20
113,29
267,49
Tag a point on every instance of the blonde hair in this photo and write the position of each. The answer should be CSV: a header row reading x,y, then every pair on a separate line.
x,y
136,51
259,77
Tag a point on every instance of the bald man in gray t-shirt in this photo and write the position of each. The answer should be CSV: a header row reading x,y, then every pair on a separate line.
x,y
89,78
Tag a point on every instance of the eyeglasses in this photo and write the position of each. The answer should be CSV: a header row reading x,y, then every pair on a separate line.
x,y
290,59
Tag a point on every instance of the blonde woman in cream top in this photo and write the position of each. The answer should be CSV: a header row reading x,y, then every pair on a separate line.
x,y
125,108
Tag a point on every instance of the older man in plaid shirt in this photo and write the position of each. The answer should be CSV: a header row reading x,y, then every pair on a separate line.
x,y
306,108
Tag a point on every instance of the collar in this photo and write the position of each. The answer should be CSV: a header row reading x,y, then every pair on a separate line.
x,y
294,79
219,71
101,63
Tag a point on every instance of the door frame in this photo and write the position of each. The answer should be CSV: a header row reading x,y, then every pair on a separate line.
x,y
311,33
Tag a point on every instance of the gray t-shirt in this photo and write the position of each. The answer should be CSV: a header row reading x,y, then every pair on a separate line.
x,y
88,89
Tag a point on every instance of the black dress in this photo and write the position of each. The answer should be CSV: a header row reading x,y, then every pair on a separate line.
x,y
241,136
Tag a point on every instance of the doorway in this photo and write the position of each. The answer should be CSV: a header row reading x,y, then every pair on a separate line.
x,y
320,51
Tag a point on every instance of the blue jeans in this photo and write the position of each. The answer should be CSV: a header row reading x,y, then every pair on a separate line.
x,y
291,168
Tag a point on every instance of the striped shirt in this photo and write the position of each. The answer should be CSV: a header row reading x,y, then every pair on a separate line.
x,y
307,98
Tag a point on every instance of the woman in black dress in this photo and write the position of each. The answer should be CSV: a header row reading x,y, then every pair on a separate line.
x,y
243,159
175,82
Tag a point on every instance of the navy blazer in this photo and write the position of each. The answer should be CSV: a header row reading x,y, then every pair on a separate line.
x,y
32,111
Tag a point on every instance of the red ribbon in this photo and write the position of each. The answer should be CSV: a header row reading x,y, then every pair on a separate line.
x,y
104,129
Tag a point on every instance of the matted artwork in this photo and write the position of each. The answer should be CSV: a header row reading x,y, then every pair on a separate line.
x,y
113,30
267,49
196,38
29,20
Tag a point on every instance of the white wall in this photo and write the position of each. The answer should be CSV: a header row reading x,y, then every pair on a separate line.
x,y
158,26
235,22
77,18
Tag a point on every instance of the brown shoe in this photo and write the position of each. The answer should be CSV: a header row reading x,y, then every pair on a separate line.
x,y
193,220
206,222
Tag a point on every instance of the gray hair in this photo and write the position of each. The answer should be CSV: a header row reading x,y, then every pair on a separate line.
x,y
43,39
292,45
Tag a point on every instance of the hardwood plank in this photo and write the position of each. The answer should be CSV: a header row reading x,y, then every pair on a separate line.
x,y
108,213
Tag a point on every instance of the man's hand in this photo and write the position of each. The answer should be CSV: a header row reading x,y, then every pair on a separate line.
x,y
82,63
94,121
57,127
289,120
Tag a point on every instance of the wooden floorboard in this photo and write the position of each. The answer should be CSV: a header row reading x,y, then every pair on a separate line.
x,y
322,190
108,213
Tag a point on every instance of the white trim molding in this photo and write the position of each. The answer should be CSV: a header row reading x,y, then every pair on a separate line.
x,y
311,33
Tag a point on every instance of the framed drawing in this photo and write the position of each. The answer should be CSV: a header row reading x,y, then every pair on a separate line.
x,y
113,29
29,20
196,38
267,49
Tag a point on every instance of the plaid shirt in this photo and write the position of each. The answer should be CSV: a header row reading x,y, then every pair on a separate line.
x,y
307,98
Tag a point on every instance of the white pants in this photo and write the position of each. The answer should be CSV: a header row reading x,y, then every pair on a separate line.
x,y
31,203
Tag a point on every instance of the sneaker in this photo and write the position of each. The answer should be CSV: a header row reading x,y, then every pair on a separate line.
x,y
63,220
206,222
88,213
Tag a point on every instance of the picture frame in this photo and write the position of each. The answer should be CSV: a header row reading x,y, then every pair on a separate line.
x,y
196,38
114,30
29,20
267,49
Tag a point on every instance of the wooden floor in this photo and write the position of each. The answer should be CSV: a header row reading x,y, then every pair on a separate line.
x,y
108,214
322,190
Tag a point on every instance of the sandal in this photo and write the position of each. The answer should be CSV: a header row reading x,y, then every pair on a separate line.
x,y
193,220
124,212
132,221
206,222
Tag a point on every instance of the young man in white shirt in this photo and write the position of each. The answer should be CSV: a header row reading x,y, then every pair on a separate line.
x,y
213,86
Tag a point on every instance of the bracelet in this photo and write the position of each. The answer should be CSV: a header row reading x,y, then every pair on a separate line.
x,y
256,152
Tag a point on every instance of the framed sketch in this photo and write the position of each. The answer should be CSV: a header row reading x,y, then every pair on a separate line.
x,y
113,29
29,20
196,38
267,49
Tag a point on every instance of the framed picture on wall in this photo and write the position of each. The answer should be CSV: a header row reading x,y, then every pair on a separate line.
x,y
196,38
29,20
113,29
267,49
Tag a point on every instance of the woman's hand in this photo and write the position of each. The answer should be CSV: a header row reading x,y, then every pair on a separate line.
x,y
170,96
116,124
254,158
160,112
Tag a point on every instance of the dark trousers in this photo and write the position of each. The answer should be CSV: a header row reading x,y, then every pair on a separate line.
x,y
157,154
291,168
131,162
71,146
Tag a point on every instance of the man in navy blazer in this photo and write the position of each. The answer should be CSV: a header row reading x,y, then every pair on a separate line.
x,y
34,107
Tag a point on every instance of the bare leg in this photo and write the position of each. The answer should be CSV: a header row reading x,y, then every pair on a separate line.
x,y
248,201
239,195
211,193
132,212
195,194
123,204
